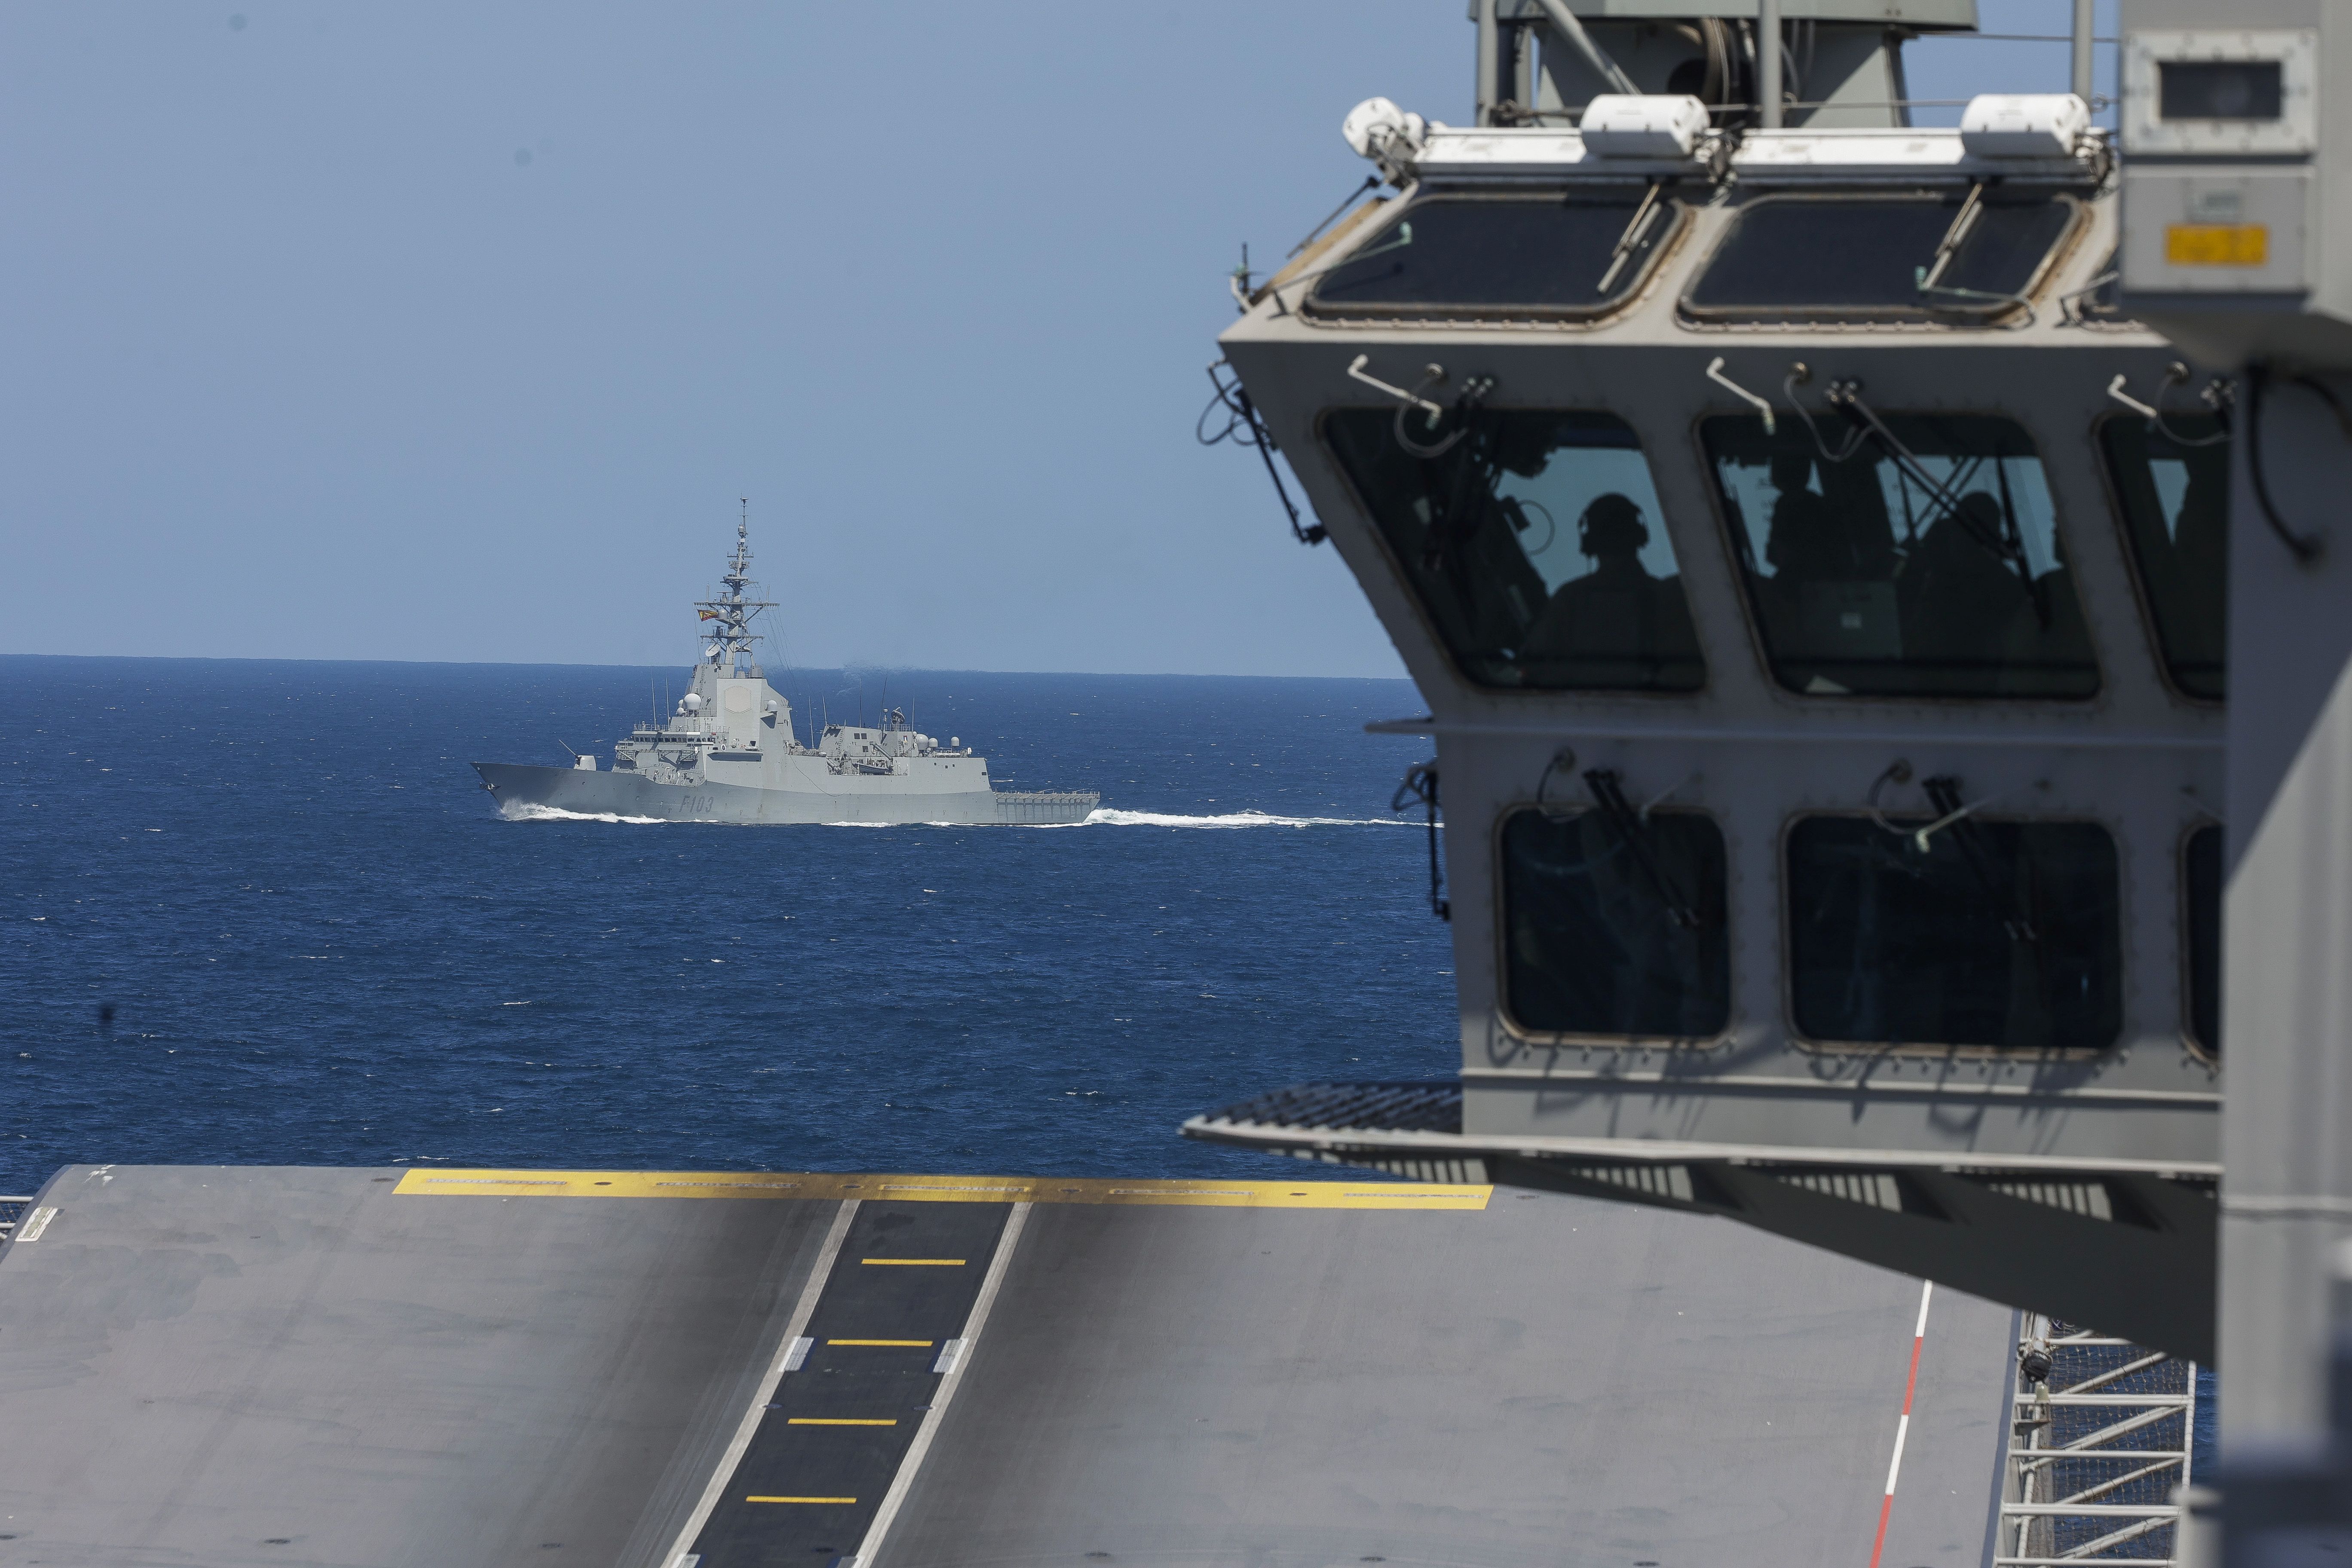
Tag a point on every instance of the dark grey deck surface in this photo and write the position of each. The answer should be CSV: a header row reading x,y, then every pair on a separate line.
x,y
1555,1382
223,1367
194,1361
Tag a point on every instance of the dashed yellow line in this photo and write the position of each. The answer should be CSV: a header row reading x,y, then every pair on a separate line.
x,y
800,1499
1420,1196
916,1262
833,1421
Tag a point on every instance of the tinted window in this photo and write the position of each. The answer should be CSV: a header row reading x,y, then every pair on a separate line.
x,y
1513,254
2000,933
1606,935
2201,896
1815,257
1534,545
2175,500
1932,571
2219,89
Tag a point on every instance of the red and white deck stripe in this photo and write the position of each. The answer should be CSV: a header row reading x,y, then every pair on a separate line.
x,y
1903,1426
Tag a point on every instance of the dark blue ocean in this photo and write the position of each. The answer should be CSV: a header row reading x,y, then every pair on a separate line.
x,y
319,943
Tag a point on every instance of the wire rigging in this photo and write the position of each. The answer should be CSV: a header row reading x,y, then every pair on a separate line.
x,y
1245,426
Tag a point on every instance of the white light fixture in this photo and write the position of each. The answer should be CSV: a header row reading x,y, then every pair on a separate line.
x,y
2023,125
1377,129
1647,125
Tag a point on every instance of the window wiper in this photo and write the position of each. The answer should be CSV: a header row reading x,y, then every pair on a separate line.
x,y
1619,813
1945,249
1625,241
1928,279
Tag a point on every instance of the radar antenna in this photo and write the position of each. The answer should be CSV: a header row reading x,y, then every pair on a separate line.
x,y
730,613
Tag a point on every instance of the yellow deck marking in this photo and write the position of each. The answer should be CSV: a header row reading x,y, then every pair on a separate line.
x,y
761,1186
878,1342
833,1421
916,1262
800,1499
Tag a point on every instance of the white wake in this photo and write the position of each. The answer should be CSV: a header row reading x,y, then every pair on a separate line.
x,y
526,811
1102,817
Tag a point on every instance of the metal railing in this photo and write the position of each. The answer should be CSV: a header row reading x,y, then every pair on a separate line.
x,y
11,1210
2098,1444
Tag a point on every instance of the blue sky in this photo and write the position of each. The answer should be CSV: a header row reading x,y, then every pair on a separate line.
x,y
442,331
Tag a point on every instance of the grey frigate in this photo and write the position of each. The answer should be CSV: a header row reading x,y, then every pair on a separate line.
x,y
728,751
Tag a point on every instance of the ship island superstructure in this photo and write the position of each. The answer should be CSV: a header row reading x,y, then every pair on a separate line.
x,y
728,751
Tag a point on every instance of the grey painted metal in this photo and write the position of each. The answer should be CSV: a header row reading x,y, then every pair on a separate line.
x,y
1925,16
2084,1243
2139,1122
1550,1381
2287,1202
235,1366
2081,59
728,752
1769,47
2138,757
1852,64
1489,62
2281,175
1571,33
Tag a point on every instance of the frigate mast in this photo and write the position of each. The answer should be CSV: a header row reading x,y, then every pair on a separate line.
x,y
732,637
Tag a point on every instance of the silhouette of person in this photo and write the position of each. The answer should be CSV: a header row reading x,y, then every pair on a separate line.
x,y
1809,540
1617,612
1960,595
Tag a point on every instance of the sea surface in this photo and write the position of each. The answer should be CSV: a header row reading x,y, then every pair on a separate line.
x,y
263,911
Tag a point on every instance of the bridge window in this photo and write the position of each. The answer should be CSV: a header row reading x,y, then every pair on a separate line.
x,y
2175,498
1536,255
1922,560
1999,933
1928,255
2200,880
1535,545
1615,926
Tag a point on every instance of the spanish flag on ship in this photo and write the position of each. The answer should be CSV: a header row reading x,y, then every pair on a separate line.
x,y
708,615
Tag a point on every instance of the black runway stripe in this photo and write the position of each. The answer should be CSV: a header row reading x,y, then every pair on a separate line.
x,y
818,1467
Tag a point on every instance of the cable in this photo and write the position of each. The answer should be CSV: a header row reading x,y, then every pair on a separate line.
x,y
1855,435
2303,547
1420,784
1245,427
2177,374
1466,408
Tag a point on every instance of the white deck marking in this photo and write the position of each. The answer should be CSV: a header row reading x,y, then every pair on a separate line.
x,y
904,1480
1902,1422
789,1356
35,1223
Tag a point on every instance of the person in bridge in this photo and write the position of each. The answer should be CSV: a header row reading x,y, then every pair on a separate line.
x,y
1616,615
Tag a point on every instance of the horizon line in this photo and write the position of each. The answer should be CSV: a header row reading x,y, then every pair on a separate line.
x,y
553,664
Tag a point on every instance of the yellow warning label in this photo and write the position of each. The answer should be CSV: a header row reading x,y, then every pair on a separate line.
x,y
835,1186
2217,244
